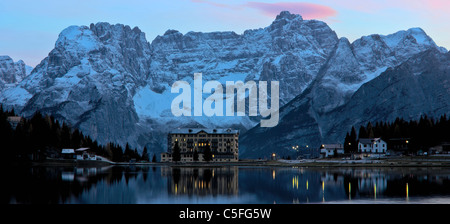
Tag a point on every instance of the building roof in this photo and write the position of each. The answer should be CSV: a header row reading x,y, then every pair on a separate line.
x,y
14,119
368,140
332,146
81,149
207,130
67,151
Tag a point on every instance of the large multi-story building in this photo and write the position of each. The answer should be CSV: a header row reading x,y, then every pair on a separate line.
x,y
193,142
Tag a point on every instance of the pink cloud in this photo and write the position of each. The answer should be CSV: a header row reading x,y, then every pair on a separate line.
x,y
306,10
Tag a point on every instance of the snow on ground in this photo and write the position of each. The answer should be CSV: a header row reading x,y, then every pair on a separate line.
x,y
150,104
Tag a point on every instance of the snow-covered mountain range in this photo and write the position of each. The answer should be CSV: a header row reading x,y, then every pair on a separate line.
x,y
114,85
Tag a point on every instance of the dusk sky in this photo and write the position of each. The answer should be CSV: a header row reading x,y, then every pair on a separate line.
x,y
30,28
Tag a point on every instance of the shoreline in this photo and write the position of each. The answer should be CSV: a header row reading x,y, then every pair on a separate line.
x,y
407,161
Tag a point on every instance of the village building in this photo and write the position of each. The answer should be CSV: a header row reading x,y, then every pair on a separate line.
x,y
79,154
367,146
331,150
399,145
68,153
14,121
443,148
85,154
192,142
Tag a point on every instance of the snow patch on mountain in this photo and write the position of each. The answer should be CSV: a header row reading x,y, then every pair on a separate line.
x,y
15,96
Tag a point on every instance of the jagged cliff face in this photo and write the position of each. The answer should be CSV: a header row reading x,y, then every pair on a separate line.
x,y
114,85
89,78
316,116
12,72
417,86
291,50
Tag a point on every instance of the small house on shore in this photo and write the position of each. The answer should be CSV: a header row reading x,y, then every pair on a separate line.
x,y
331,150
14,121
78,154
68,153
368,146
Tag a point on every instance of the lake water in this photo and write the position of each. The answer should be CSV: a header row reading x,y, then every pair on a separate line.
x,y
228,184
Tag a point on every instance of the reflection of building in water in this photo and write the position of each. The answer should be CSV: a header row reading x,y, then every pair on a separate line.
x,y
81,174
202,181
332,179
371,182
362,182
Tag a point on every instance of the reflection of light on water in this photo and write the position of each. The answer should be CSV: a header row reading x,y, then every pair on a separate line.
x,y
407,192
413,200
295,182
273,174
307,185
349,191
375,191
323,191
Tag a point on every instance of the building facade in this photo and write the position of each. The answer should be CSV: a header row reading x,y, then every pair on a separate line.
x,y
14,121
194,142
372,146
331,150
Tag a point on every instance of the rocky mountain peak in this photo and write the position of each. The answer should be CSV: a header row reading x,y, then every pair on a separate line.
x,y
110,82
12,72
286,15
171,32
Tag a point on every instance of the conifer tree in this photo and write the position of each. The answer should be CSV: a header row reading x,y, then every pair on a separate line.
x,y
145,155
176,156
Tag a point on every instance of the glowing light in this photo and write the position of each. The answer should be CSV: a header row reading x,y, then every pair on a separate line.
x,y
307,185
375,190
407,191
350,191
295,182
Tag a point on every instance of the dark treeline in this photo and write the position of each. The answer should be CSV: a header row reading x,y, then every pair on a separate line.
x,y
43,136
421,135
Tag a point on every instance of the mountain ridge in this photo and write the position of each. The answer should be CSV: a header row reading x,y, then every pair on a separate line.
x,y
113,84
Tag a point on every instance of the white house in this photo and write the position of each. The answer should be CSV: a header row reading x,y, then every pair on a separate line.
x,y
372,146
68,153
329,150
84,154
